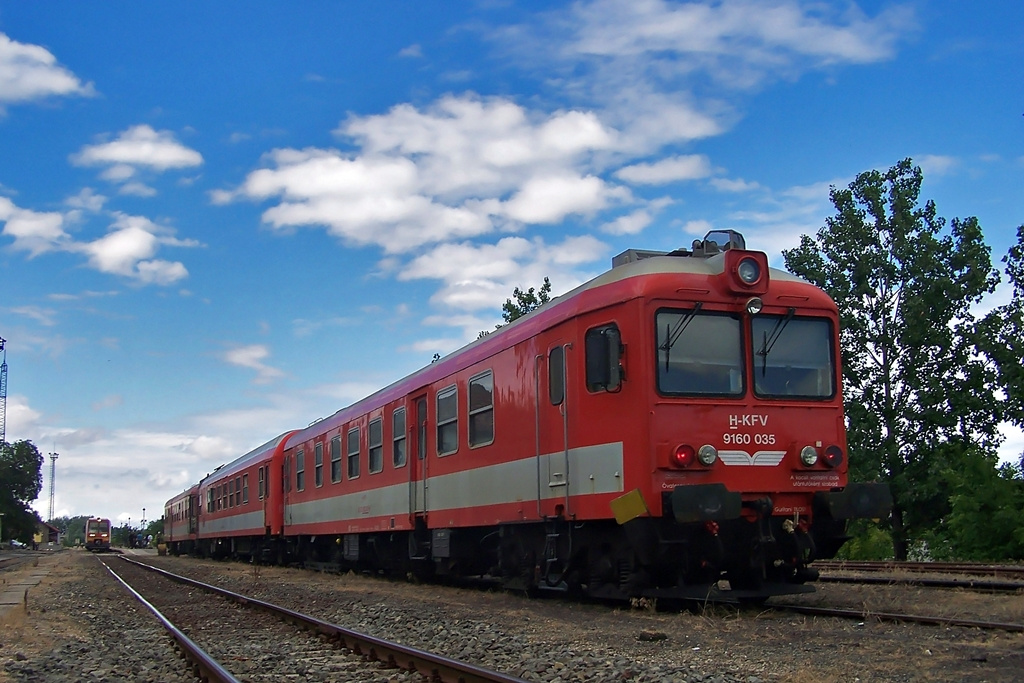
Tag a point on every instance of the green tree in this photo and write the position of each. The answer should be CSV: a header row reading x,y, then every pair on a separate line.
x,y
524,302
986,518
21,479
1002,334
920,391
72,529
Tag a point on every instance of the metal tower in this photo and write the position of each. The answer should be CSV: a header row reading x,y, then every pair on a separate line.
x,y
53,471
3,393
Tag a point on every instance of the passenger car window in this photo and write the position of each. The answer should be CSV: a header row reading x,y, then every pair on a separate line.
x,y
481,409
353,453
447,421
398,438
375,447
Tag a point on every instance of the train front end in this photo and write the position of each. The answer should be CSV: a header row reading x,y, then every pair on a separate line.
x,y
97,535
746,433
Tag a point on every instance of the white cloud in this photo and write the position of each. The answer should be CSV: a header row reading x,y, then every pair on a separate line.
x,y
733,185
43,316
630,224
86,200
640,63
667,170
756,34
551,199
252,357
137,190
128,250
936,165
455,170
414,51
30,72
139,146
481,277
34,232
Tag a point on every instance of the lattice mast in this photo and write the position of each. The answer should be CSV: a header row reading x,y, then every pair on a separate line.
x,y
3,393
53,472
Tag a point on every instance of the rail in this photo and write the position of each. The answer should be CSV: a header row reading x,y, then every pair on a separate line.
x,y
434,667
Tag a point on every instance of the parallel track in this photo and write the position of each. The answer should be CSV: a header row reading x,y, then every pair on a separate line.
x,y
1003,571
432,666
867,615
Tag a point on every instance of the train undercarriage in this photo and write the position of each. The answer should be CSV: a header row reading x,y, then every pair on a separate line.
x,y
752,557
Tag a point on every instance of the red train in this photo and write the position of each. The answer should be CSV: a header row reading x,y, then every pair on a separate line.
x,y
97,534
673,428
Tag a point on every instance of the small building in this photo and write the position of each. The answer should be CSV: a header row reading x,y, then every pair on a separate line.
x,y
46,534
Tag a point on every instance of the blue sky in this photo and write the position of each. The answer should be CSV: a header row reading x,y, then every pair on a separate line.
x,y
224,220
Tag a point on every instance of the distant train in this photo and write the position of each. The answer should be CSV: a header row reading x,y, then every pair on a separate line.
x,y
97,534
673,428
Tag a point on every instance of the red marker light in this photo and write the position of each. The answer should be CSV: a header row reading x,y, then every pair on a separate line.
x,y
684,456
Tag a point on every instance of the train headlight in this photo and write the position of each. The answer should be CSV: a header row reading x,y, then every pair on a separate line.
x,y
707,455
809,456
754,305
749,271
683,457
833,456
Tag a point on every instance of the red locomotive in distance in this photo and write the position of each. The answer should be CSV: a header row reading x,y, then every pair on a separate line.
x,y
97,534
671,429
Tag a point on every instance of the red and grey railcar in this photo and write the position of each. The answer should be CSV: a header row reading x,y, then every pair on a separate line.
x,y
668,425
97,534
181,522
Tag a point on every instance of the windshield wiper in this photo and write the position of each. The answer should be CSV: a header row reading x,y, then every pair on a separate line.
x,y
672,336
770,339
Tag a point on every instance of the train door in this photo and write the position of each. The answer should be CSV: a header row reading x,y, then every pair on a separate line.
x,y
193,510
418,458
552,429
286,488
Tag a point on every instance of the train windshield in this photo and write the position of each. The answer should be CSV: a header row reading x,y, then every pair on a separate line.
x,y
699,353
793,357
99,527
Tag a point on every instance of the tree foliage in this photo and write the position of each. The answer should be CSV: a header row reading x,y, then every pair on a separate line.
x,y
923,393
21,480
524,302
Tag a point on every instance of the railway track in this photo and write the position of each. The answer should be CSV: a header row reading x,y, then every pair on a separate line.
x,y
897,617
1003,571
221,642
974,577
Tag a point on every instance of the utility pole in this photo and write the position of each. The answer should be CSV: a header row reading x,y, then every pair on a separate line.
x,y
3,392
53,472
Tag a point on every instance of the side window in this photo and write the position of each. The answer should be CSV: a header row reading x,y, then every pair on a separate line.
x,y
556,375
263,483
238,490
318,464
300,471
224,496
376,446
481,409
353,453
231,494
336,459
447,420
604,351
209,500
245,489
398,438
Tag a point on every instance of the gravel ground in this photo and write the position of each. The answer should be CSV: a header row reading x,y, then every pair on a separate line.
x,y
80,626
